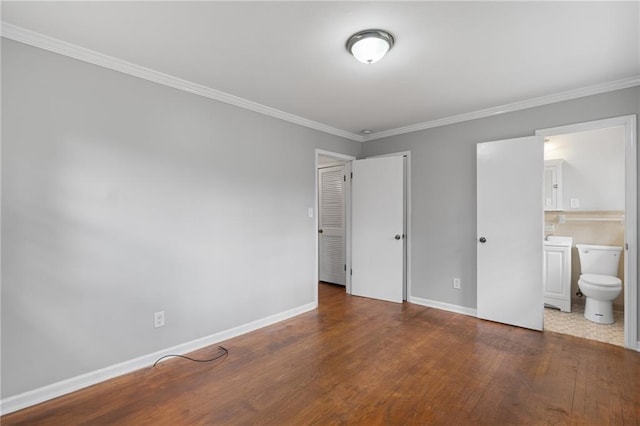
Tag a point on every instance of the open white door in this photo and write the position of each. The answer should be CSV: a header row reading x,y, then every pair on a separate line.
x,y
331,225
510,231
377,228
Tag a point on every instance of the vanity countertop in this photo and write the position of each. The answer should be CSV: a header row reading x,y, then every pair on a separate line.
x,y
558,241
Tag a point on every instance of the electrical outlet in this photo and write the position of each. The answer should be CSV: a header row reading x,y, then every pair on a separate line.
x,y
158,319
575,203
456,282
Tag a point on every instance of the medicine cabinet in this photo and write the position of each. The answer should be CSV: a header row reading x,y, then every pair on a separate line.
x,y
553,185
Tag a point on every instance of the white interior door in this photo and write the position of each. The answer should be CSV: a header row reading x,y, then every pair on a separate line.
x,y
331,224
510,231
377,228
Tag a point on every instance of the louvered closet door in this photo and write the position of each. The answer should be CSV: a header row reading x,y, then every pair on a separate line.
x,y
331,222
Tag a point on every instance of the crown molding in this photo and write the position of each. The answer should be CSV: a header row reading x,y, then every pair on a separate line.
x,y
51,44
516,106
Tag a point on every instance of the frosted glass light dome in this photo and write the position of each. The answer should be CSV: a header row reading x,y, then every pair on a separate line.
x,y
369,46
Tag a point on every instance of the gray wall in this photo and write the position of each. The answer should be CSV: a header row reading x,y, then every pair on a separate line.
x,y
443,185
122,197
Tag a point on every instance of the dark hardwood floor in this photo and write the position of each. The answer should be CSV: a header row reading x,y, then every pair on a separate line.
x,y
360,361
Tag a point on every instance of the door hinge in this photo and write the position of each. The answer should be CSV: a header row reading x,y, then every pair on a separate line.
x,y
351,175
626,246
345,177
351,272
345,268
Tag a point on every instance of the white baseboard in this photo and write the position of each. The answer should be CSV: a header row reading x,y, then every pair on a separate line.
x,y
54,390
444,306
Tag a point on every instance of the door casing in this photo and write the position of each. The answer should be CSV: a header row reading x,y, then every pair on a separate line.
x,y
407,188
628,122
347,201
334,272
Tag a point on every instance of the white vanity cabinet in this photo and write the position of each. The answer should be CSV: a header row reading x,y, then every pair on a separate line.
x,y
553,185
557,272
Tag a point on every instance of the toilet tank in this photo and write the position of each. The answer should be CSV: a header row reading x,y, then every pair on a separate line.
x,y
601,260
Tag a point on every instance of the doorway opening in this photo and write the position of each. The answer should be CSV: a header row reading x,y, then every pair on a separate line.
x,y
590,202
371,231
333,218
332,215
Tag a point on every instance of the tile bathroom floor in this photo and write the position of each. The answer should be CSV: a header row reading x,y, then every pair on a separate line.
x,y
575,324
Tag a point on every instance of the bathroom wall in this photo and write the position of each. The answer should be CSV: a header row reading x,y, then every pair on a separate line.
x,y
599,232
593,168
593,175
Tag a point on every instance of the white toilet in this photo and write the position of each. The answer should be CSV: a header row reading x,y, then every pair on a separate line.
x,y
598,280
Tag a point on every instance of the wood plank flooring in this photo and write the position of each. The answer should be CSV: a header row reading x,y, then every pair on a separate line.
x,y
361,361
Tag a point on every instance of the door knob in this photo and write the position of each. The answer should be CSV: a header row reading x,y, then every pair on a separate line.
x,y
397,237
320,231
482,240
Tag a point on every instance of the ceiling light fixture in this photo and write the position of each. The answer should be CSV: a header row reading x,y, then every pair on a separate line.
x,y
370,46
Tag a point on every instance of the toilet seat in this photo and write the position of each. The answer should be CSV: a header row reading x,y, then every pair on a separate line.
x,y
601,280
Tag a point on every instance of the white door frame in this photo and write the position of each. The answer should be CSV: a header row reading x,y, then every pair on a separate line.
x,y
326,232
407,294
630,214
347,200
348,158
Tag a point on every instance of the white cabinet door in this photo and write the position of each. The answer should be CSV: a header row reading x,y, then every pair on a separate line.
x,y
510,231
377,228
331,225
553,185
557,277
553,272
550,185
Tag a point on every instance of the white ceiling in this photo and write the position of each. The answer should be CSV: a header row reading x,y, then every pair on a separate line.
x,y
450,58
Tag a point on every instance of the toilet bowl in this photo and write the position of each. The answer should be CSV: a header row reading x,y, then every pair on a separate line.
x,y
598,281
601,291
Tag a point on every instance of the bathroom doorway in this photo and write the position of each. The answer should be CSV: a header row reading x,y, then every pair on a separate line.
x,y
590,199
